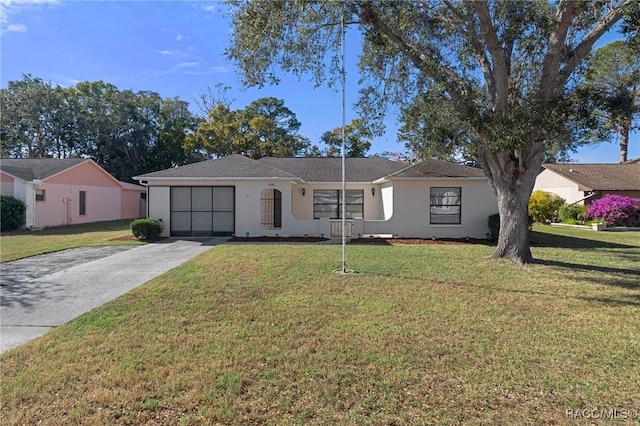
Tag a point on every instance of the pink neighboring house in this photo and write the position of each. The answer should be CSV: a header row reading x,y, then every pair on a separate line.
x,y
68,191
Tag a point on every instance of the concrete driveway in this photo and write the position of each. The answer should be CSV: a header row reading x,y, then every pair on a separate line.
x,y
42,292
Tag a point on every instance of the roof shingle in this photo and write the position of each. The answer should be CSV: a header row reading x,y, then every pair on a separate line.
x,y
329,169
232,166
601,177
37,168
438,169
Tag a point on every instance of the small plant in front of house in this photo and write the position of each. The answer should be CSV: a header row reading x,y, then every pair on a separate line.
x,y
493,222
544,206
494,226
616,210
147,229
12,213
572,214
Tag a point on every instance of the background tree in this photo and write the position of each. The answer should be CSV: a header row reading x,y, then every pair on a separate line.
x,y
500,67
265,128
357,140
611,94
35,120
126,132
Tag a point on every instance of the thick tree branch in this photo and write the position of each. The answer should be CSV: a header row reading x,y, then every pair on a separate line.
x,y
584,47
564,15
481,54
434,69
500,70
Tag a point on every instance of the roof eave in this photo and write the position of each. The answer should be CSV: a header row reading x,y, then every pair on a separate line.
x,y
185,178
388,179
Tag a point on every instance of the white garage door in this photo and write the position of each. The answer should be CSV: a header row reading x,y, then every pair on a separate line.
x,y
202,210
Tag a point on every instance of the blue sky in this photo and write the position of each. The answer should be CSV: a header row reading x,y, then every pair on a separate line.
x,y
174,48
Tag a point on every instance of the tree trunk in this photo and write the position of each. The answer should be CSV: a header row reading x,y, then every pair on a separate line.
x,y
513,240
624,143
512,181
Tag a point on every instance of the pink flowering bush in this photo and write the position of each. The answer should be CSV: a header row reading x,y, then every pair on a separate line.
x,y
616,210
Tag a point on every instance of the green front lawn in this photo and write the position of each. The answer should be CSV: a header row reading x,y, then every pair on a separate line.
x,y
421,334
16,245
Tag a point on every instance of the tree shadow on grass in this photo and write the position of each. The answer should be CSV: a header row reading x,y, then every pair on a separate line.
x,y
626,278
630,300
540,239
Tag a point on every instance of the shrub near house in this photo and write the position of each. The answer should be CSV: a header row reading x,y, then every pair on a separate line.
x,y
12,213
616,210
544,206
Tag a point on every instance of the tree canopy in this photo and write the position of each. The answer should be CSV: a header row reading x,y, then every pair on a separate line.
x,y
357,140
126,132
501,69
265,128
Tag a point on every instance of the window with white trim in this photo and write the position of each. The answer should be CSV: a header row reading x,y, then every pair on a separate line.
x,y
328,203
445,206
40,195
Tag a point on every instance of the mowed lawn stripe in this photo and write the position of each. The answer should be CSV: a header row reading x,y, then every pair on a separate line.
x,y
422,334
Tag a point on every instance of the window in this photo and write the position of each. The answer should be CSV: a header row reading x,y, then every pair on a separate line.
x,y
40,194
83,203
271,209
328,203
445,206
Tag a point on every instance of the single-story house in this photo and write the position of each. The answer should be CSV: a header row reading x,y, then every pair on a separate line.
x,y
235,195
583,183
68,191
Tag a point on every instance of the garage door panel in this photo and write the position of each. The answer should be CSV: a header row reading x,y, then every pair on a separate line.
x,y
223,199
201,199
202,210
181,198
201,221
223,222
181,221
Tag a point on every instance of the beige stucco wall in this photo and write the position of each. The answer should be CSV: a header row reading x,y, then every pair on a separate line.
x,y
303,205
404,205
410,216
550,181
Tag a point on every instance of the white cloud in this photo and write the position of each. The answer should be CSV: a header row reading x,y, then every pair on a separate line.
x,y
209,8
167,52
15,28
218,70
187,64
10,7
180,37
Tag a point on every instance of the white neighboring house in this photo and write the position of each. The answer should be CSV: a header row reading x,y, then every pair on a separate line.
x,y
584,183
239,196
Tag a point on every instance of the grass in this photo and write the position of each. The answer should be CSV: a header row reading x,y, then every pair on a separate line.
x,y
17,245
421,334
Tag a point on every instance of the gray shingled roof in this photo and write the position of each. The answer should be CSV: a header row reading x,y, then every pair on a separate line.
x,y
37,168
438,169
232,166
323,169
601,177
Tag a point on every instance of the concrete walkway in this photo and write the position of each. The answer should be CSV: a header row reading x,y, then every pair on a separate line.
x,y
45,291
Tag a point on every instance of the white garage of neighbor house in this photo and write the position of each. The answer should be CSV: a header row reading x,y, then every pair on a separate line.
x,y
239,196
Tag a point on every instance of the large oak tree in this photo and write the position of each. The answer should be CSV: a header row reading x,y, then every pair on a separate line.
x,y
502,68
